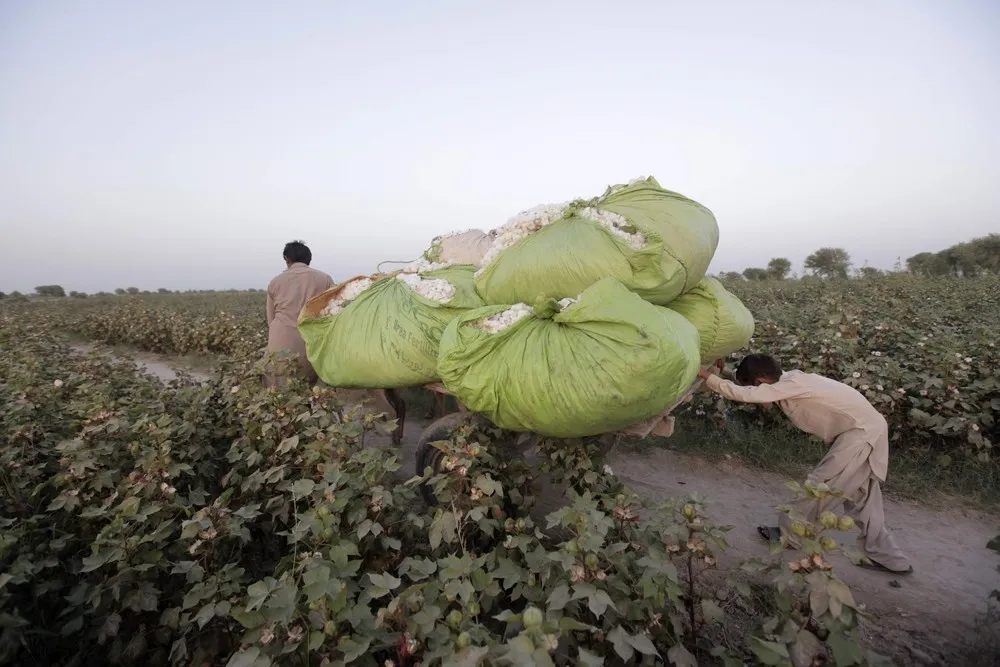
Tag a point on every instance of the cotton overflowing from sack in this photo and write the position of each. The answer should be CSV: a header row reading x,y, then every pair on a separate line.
x,y
573,368
570,320
724,324
657,243
383,331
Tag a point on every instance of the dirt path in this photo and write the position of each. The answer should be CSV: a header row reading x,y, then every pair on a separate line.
x,y
931,615
937,607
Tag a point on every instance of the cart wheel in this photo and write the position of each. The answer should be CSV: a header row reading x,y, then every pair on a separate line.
x,y
429,456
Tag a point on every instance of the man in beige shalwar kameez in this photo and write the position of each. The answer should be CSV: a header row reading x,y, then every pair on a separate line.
x,y
858,459
286,295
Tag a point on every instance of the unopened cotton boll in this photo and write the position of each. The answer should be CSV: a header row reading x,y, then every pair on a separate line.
x,y
435,289
350,292
506,319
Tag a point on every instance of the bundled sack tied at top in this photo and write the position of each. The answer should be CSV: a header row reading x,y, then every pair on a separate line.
x,y
657,243
382,331
573,368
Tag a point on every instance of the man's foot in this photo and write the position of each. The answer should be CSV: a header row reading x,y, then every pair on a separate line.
x,y
873,565
769,533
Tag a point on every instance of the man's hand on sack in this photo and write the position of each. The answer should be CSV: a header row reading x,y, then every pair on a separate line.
x,y
714,369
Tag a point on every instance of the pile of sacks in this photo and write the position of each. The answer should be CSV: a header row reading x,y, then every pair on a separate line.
x,y
569,320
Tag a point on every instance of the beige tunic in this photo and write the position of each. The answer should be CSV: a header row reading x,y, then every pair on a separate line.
x,y
858,459
821,407
286,295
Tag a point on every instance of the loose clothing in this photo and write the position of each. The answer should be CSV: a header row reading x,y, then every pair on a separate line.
x,y
858,459
286,295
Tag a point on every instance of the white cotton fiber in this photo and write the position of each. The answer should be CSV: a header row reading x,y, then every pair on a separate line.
x,y
521,226
500,321
350,292
614,224
435,289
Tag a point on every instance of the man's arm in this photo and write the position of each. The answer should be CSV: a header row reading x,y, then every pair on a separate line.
x,y
765,393
270,307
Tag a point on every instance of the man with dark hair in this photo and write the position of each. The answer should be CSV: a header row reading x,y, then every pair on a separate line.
x,y
297,252
841,416
286,295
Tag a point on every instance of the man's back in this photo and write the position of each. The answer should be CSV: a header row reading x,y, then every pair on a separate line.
x,y
288,292
827,408
286,295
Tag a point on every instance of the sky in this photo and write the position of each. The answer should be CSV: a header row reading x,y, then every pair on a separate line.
x,y
181,144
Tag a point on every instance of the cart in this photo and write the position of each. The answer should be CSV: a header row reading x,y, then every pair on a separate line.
x,y
429,456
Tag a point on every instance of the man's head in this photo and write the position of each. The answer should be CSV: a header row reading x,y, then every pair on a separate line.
x,y
758,369
297,252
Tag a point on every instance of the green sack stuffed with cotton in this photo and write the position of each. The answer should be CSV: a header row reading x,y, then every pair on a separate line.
x,y
383,331
570,369
655,242
723,322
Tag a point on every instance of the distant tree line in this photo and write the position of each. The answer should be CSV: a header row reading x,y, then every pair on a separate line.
x,y
972,258
975,257
57,291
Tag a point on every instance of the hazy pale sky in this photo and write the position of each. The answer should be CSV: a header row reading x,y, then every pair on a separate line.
x,y
180,144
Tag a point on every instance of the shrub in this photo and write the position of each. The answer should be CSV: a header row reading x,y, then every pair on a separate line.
x,y
227,523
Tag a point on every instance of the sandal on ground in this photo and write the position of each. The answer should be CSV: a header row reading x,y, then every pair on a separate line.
x,y
769,533
872,565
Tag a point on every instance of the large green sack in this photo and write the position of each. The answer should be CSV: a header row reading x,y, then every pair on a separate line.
x,y
566,256
599,365
388,335
723,322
